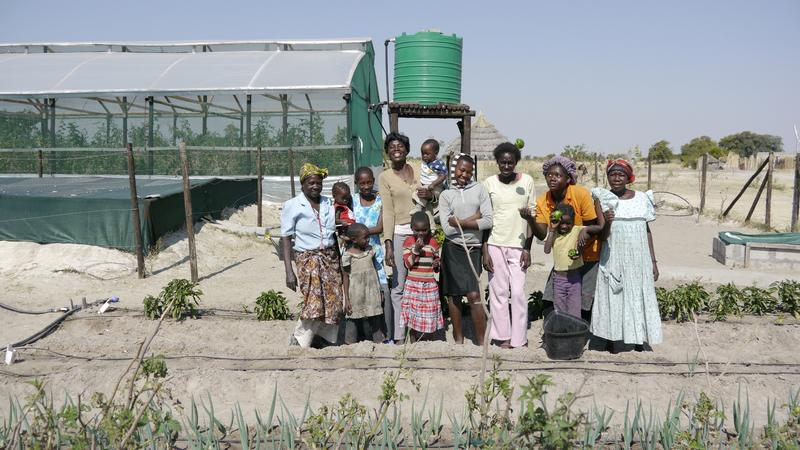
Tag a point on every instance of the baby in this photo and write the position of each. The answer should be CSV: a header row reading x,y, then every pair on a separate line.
x,y
432,175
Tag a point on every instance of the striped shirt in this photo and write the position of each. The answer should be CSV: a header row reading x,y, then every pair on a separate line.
x,y
420,267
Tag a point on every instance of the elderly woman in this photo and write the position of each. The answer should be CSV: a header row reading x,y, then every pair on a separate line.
x,y
309,219
397,186
560,174
625,307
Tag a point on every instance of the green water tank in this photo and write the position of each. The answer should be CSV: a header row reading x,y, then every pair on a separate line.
x,y
427,68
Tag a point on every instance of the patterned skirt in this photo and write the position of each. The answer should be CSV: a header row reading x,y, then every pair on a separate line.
x,y
420,308
320,280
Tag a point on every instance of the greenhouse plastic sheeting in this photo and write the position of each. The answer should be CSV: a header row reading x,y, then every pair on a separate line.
x,y
97,211
731,237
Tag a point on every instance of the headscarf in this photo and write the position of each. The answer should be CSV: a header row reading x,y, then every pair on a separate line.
x,y
622,164
309,169
566,163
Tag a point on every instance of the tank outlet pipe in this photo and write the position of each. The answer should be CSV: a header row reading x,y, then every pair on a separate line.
x,y
386,65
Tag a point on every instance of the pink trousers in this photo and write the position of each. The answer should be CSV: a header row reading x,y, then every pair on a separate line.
x,y
508,278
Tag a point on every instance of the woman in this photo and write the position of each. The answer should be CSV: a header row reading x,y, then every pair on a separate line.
x,y
506,254
625,306
466,205
560,174
367,207
396,187
309,219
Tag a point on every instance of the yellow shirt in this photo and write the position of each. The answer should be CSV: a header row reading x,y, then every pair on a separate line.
x,y
508,228
561,247
581,200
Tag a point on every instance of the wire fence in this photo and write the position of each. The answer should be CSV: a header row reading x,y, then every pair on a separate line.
x,y
203,161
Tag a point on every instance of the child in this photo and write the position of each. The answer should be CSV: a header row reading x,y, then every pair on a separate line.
x,y
361,286
432,175
343,208
420,308
567,240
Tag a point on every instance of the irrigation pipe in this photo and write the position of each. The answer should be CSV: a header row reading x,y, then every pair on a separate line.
x,y
25,311
54,324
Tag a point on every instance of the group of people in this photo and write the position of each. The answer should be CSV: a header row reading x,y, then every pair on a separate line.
x,y
604,263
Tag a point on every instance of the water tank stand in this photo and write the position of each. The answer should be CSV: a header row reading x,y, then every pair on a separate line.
x,y
438,111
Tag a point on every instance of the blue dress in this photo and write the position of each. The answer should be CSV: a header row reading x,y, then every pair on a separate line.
x,y
369,215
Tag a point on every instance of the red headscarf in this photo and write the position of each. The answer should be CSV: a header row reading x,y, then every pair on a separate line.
x,y
624,165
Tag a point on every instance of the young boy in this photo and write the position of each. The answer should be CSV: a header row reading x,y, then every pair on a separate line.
x,y
566,240
432,175
343,210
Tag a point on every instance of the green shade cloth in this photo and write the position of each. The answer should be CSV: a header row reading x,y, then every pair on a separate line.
x,y
731,237
97,210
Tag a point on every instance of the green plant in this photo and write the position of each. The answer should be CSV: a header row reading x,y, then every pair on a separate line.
x,y
179,298
728,301
687,300
272,305
665,305
488,426
535,306
438,234
789,295
538,425
759,301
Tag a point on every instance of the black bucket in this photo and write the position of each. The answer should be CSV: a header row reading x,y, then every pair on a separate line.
x,y
565,336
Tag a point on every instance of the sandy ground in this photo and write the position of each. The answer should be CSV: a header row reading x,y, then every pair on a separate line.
x,y
234,358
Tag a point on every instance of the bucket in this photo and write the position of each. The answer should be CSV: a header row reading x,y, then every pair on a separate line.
x,y
565,336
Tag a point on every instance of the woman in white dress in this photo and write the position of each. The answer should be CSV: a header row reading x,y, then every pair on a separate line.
x,y
625,306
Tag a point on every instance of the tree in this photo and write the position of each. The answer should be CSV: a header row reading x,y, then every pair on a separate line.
x,y
576,152
697,146
748,144
660,152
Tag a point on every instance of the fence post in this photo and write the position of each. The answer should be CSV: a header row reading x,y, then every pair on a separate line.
x,y
187,207
758,196
137,230
796,192
259,189
703,183
596,174
39,163
768,213
649,171
291,169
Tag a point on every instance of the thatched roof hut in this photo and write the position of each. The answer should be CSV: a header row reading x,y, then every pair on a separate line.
x,y
485,138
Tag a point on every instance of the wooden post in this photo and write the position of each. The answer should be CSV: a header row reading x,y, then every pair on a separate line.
x,y
768,213
796,193
290,155
394,122
151,120
704,173
596,172
40,163
744,188
466,138
649,171
137,227
258,190
755,201
187,207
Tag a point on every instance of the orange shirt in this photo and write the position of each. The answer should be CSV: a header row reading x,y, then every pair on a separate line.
x,y
581,200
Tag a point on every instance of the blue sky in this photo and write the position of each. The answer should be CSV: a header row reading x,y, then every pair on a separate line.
x,y
608,74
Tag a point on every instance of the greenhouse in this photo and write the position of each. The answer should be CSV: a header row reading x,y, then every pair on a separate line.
x,y
69,108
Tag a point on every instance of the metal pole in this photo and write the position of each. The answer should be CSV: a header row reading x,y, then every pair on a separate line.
x,y
108,129
204,107
768,213
291,170
150,138
124,119
248,121
259,189
40,163
137,227
703,182
174,128
187,208
649,170
53,160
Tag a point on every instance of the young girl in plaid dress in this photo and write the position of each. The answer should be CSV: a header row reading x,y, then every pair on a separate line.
x,y
420,308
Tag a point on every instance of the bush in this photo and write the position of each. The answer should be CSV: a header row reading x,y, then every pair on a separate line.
x,y
789,296
272,305
759,301
687,300
729,301
179,299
